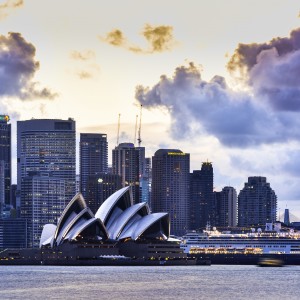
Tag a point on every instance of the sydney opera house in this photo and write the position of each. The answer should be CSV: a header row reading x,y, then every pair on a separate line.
x,y
119,229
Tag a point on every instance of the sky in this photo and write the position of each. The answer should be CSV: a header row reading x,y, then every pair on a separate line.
x,y
217,79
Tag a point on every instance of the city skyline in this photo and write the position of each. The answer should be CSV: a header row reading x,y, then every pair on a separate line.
x,y
90,62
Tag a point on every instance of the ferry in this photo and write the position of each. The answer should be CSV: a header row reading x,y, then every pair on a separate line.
x,y
244,248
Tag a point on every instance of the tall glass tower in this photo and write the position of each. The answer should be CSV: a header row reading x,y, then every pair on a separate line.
x,y
93,162
170,187
46,171
5,159
202,204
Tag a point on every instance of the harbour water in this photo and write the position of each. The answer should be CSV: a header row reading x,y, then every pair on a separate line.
x,y
172,282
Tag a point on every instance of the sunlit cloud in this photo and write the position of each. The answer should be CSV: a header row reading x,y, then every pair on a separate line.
x,y
83,55
159,38
8,6
86,60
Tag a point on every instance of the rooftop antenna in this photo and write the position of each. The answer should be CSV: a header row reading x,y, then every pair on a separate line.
x,y
135,129
140,127
118,129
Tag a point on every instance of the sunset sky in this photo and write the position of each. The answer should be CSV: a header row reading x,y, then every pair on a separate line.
x,y
217,79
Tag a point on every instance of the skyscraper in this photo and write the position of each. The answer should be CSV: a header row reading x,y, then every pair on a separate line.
x,y
286,220
228,207
126,163
5,159
202,208
46,165
170,187
93,161
257,203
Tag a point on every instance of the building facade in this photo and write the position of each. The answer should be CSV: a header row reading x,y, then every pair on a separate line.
x,y
170,187
202,204
5,159
46,162
126,163
93,159
13,232
228,207
257,203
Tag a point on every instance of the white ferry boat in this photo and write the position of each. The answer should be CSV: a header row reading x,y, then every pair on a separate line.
x,y
273,241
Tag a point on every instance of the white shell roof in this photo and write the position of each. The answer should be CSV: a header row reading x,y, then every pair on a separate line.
x,y
139,227
82,226
65,218
116,228
68,225
47,233
109,204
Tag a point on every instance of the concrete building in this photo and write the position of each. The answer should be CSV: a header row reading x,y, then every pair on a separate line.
x,y
228,207
46,166
257,203
170,187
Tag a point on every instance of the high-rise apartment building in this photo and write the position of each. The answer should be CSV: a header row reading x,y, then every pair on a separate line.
x,y
46,166
5,159
228,207
202,204
257,203
126,163
170,187
93,161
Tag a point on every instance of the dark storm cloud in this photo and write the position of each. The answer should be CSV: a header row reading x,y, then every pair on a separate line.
x,y
197,106
272,69
17,69
159,38
7,6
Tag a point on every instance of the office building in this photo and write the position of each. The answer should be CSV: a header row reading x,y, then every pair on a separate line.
x,y
228,207
46,165
13,232
170,187
286,220
93,161
126,163
5,159
100,187
202,204
257,203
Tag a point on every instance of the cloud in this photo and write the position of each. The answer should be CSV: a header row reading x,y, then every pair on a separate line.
x,y
83,56
85,75
86,60
200,107
159,38
7,6
272,70
17,69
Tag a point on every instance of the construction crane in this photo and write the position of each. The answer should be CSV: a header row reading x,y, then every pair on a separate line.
x,y
140,127
118,133
135,129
